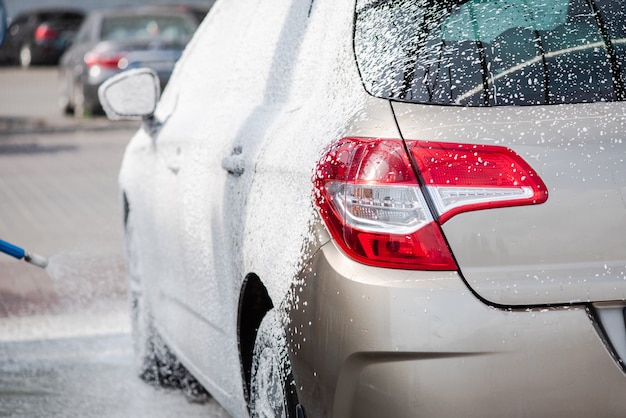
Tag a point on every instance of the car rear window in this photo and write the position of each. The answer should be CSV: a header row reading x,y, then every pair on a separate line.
x,y
147,28
71,16
492,52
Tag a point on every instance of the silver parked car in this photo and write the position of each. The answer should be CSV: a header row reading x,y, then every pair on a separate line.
x,y
114,40
373,208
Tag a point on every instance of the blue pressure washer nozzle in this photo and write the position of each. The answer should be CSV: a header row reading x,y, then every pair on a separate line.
x,y
20,253
36,260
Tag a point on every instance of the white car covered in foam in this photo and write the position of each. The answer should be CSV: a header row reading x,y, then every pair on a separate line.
x,y
384,208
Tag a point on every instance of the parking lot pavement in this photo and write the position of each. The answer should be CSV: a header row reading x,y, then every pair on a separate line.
x,y
85,376
60,199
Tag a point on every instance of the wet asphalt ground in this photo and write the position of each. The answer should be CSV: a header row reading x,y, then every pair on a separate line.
x,y
65,345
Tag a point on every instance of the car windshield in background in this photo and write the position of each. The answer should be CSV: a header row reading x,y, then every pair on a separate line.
x,y
492,52
143,28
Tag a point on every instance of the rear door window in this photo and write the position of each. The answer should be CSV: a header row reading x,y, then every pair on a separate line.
x,y
492,52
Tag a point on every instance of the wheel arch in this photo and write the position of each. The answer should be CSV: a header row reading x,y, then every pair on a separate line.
x,y
254,303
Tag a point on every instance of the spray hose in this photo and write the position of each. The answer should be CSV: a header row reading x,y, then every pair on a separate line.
x,y
21,254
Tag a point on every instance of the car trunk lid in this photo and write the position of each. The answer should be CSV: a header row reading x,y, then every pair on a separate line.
x,y
570,249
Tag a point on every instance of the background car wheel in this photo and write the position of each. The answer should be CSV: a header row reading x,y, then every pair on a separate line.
x,y
272,387
67,109
156,364
26,56
65,102
82,108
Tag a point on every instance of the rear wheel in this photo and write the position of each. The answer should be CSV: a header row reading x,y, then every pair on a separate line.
x,y
272,387
67,108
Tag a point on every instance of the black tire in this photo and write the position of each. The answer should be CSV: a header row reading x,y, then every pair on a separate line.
x,y
65,103
272,386
155,363
68,110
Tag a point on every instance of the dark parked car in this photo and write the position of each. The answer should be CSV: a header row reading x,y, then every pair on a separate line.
x,y
3,22
111,41
40,36
370,208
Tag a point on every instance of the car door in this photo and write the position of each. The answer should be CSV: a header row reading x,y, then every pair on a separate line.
x,y
214,111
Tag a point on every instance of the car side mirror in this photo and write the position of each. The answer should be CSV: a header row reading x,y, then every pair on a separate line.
x,y
130,95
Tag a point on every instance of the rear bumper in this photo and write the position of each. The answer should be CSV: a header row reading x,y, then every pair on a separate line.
x,y
370,342
47,53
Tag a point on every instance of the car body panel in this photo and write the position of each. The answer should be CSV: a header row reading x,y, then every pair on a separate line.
x,y
219,189
567,250
209,236
420,344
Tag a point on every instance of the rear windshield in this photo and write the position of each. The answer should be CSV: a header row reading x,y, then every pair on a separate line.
x,y
492,52
144,28
71,16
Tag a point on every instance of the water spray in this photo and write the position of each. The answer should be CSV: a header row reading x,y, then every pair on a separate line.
x,y
21,254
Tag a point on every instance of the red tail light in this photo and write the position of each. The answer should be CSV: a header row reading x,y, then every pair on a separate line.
x,y
372,204
111,60
465,177
374,207
45,33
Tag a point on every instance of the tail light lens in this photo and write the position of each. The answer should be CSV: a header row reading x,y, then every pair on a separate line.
x,y
45,33
374,206
465,177
106,60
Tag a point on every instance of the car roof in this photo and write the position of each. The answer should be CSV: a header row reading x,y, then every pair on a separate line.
x,y
51,10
